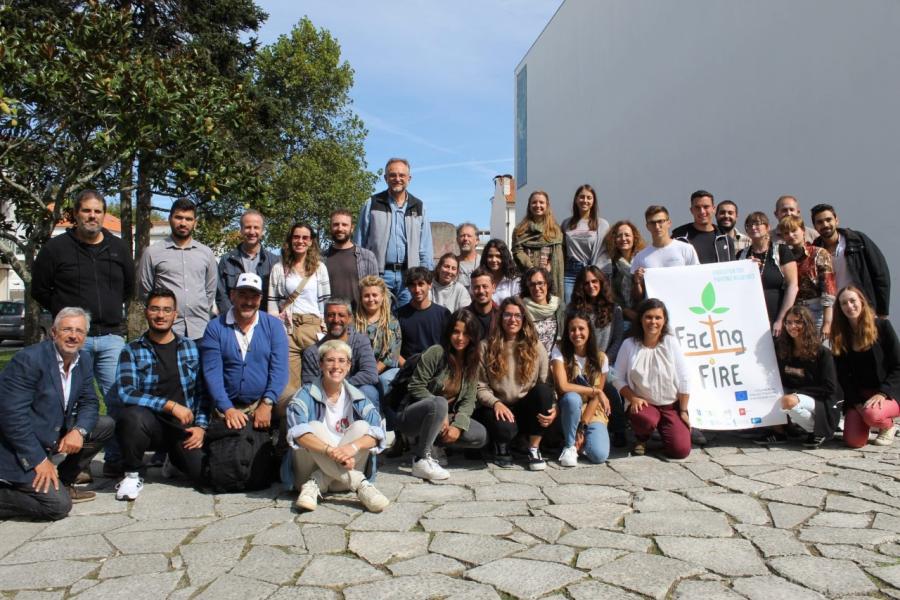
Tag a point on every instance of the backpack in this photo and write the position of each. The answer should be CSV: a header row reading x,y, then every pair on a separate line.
x,y
239,460
394,399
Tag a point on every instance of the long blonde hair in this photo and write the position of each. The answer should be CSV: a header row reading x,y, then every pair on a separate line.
x,y
844,336
383,334
526,351
552,232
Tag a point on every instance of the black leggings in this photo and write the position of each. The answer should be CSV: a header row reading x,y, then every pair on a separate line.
x,y
538,400
140,429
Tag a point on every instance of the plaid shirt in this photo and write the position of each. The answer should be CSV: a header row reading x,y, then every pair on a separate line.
x,y
137,377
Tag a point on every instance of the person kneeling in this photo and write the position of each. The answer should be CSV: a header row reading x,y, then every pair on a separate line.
x,y
163,407
332,427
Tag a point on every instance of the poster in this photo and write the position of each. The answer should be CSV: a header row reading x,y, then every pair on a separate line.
x,y
718,315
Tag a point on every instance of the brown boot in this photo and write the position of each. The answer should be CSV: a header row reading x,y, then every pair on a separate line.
x,y
84,477
80,495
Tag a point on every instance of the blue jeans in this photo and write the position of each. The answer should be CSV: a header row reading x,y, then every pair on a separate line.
x,y
573,269
596,438
385,380
105,350
394,282
371,394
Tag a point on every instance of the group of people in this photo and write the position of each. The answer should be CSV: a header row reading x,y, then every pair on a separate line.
x,y
323,352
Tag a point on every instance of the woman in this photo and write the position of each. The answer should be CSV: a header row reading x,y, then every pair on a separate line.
x,y
498,261
583,235
441,396
579,370
511,385
538,241
298,288
816,285
622,243
446,290
653,378
334,432
777,269
593,296
808,377
867,358
373,315
546,311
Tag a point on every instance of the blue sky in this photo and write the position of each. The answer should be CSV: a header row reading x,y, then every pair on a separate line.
x,y
434,83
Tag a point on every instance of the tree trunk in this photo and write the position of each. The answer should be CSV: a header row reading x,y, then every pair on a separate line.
x,y
125,211
33,331
142,225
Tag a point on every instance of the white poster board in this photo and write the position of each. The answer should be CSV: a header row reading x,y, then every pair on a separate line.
x,y
718,314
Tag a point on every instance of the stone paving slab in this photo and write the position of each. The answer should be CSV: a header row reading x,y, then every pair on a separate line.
x,y
733,521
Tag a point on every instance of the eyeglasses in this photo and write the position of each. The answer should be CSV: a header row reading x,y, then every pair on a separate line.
x,y
537,284
509,316
657,223
166,310
73,331
756,224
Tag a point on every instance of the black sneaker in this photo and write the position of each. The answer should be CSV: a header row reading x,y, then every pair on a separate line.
x,y
619,440
773,438
502,457
535,460
814,441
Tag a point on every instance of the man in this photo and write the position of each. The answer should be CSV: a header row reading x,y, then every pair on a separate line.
x,y
244,359
158,386
857,259
467,240
50,427
347,263
90,268
726,220
363,369
663,251
185,266
788,206
483,305
422,321
710,242
393,225
248,257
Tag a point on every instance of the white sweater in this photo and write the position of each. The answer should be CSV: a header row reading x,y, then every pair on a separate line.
x,y
655,374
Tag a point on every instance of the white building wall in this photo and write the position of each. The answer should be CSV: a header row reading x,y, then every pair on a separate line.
x,y
649,100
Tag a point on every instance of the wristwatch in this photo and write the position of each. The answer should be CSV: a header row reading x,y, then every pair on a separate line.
x,y
267,400
82,431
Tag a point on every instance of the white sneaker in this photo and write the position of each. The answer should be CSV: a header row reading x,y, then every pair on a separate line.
x,y
371,498
309,496
428,468
885,436
129,488
569,457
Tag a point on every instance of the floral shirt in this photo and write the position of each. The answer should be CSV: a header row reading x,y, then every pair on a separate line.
x,y
815,275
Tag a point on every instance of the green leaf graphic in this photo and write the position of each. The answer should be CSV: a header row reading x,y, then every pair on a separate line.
x,y
720,310
708,298
697,310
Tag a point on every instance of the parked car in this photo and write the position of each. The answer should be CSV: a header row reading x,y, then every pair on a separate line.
x,y
12,321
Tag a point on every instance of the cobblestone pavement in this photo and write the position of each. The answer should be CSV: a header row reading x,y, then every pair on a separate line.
x,y
733,521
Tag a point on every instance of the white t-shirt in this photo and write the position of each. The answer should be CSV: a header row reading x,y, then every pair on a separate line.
x,y
841,276
338,417
307,303
555,354
675,254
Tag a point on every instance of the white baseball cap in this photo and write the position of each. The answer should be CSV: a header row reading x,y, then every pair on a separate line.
x,y
249,281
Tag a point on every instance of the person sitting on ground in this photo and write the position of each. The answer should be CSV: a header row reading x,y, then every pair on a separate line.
x,y
163,405
50,428
807,376
421,321
374,317
446,290
547,312
579,371
867,358
652,376
333,430
441,397
499,263
512,388
816,285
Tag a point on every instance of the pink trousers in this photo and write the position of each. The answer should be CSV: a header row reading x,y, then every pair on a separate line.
x,y
860,419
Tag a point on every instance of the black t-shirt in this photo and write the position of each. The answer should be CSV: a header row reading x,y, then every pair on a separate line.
x,y
342,275
711,246
168,383
421,329
772,278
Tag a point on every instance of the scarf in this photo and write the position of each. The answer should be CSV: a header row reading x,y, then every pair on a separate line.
x,y
539,312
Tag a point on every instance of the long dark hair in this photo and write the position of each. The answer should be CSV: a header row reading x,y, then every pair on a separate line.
x,y
525,356
600,308
468,368
525,290
808,340
576,212
507,265
595,356
637,328
288,258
